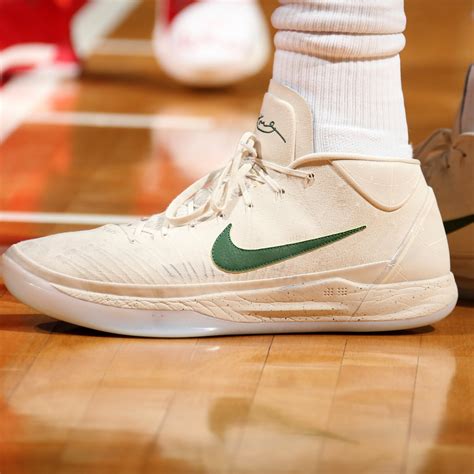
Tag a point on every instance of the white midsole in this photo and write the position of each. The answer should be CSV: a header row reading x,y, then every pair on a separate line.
x,y
327,305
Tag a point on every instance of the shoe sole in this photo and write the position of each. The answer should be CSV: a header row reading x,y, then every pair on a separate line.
x,y
46,298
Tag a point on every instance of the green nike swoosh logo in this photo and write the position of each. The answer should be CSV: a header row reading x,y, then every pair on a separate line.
x,y
227,256
456,224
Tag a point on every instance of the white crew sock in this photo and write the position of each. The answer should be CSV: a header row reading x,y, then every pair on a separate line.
x,y
342,56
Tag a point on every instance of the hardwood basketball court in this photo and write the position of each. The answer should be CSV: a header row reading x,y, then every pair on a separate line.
x,y
121,141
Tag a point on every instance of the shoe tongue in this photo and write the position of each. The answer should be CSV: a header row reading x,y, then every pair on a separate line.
x,y
464,122
284,126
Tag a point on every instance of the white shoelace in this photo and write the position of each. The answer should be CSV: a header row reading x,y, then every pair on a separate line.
x,y
437,146
210,196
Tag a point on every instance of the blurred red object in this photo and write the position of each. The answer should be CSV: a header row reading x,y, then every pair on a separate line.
x,y
170,8
34,33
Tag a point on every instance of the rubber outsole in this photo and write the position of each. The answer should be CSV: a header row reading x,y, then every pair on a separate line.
x,y
44,297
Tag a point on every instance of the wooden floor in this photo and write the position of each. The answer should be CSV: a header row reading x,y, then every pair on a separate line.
x,y
123,140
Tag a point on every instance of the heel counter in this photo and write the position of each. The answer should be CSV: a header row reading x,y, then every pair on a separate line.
x,y
425,254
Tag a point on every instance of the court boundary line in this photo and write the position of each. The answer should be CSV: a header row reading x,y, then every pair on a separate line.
x,y
91,25
121,120
96,20
125,47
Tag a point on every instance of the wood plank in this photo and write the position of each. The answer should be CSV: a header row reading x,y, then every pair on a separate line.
x,y
75,401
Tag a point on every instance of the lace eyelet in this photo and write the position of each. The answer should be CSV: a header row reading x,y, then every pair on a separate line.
x,y
309,180
462,152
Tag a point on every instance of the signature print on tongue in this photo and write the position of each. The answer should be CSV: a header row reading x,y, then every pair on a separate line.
x,y
268,127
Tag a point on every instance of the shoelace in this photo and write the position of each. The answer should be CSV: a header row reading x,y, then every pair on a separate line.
x,y
437,146
220,186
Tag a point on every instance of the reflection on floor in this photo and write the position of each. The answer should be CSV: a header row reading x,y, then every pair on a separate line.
x,y
122,140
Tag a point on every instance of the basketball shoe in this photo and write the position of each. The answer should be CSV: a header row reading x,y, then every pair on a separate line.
x,y
35,34
447,158
281,239
211,43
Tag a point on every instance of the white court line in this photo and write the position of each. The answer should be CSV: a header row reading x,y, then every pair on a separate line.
x,y
26,92
65,218
96,20
98,119
124,47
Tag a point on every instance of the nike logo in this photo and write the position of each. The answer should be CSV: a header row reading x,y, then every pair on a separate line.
x,y
230,258
456,224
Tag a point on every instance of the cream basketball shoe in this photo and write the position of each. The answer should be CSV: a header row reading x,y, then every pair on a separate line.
x,y
281,239
447,158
